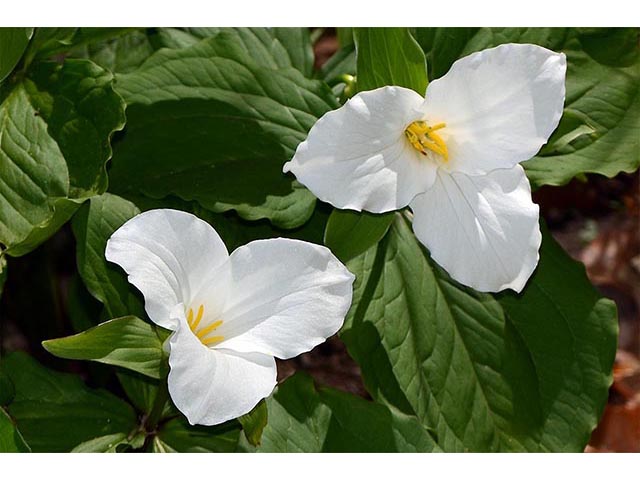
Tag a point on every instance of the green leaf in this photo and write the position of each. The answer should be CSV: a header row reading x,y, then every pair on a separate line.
x,y
211,124
92,226
297,43
13,43
177,435
125,342
55,128
121,54
56,411
140,389
49,41
11,440
389,56
253,423
350,233
345,36
442,46
303,419
7,390
528,372
82,111
34,171
105,444
598,132
275,48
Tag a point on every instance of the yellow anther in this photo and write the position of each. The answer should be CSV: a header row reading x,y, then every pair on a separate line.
x,y
198,318
206,330
203,332
423,137
209,341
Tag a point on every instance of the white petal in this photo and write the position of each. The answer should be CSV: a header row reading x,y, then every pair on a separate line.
x,y
210,386
357,157
167,254
500,106
286,297
482,230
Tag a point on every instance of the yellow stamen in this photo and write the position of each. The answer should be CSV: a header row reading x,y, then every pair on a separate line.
x,y
198,318
203,332
209,341
422,138
206,330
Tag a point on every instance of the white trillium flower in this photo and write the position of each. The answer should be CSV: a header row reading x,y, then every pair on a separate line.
x,y
230,314
453,157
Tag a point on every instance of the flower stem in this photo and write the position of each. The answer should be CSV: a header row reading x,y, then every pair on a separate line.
x,y
158,406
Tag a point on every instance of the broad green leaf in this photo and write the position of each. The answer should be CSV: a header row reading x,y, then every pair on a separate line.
x,y
56,411
297,43
125,342
389,56
105,444
442,46
304,419
119,55
92,226
253,423
35,174
616,47
11,440
140,389
598,132
7,390
350,233
274,48
55,128
49,41
13,42
571,333
211,124
528,372
177,435
345,36
63,210
82,111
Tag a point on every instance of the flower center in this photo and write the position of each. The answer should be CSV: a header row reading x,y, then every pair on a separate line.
x,y
204,333
423,137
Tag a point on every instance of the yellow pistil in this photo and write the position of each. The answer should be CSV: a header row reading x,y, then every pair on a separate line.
x,y
423,137
203,332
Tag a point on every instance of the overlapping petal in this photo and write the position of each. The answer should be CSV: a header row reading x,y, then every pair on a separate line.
x,y
286,297
357,157
500,106
211,386
482,230
168,254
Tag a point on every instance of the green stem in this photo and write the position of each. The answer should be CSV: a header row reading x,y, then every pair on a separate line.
x,y
158,406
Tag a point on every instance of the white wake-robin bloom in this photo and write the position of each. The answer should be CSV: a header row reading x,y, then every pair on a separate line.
x,y
230,314
451,156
